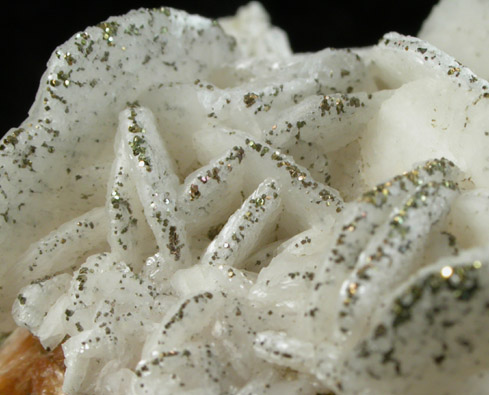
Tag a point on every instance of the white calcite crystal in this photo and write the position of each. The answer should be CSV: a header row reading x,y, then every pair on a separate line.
x,y
191,208
460,28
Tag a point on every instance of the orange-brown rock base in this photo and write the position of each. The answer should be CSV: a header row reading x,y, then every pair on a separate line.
x,y
26,368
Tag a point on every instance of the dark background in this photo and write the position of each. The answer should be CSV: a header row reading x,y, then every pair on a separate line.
x,y
30,32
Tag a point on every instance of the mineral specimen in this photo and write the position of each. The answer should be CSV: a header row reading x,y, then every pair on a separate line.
x,y
191,208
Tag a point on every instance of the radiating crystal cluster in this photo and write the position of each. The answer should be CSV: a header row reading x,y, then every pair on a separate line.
x,y
191,208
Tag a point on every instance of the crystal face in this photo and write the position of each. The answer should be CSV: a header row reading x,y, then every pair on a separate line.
x,y
192,207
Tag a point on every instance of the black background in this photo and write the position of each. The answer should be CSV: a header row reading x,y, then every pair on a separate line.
x,y
30,32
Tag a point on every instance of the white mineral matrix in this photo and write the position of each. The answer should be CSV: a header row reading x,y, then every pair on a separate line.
x,y
191,208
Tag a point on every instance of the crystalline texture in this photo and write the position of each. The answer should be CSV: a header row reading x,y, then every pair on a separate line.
x,y
192,208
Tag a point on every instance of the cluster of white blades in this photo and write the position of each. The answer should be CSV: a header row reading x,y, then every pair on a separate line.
x,y
191,208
